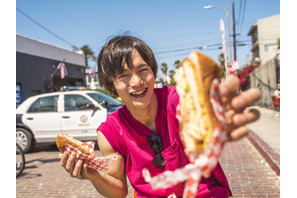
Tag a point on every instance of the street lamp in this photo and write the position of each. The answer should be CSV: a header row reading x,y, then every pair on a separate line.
x,y
227,15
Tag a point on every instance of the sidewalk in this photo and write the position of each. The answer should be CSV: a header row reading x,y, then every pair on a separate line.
x,y
268,128
248,174
265,136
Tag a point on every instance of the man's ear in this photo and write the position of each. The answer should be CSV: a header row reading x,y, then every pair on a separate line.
x,y
114,92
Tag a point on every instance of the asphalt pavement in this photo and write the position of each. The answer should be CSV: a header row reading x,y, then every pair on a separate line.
x,y
245,163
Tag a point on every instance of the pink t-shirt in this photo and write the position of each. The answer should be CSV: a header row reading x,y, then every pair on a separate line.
x,y
128,137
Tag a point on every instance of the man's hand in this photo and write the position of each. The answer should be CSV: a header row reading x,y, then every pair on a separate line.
x,y
237,114
78,170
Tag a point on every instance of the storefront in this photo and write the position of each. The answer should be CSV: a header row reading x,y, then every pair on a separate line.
x,y
36,68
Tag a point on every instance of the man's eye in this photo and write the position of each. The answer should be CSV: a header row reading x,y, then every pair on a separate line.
x,y
143,70
122,76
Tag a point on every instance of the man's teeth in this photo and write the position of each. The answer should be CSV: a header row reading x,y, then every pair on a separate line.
x,y
138,93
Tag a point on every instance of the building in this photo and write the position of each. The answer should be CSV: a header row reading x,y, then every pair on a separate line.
x,y
92,79
36,67
265,48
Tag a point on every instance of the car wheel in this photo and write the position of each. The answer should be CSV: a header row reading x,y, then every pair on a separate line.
x,y
25,139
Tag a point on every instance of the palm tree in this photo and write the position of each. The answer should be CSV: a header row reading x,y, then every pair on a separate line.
x,y
222,62
164,70
177,64
171,74
161,80
88,53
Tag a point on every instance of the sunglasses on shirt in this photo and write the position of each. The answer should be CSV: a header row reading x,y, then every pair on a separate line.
x,y
154,142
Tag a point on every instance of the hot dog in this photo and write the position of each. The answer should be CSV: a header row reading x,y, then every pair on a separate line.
x,y
63,139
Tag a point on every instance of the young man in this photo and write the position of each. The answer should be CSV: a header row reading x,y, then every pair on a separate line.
x,y
145,130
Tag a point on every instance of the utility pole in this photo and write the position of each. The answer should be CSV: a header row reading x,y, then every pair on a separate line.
x,y
234,34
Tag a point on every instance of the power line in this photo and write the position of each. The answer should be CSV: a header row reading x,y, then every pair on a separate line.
x,y
191,43
184,53
242,19
240,7
197,47
49,31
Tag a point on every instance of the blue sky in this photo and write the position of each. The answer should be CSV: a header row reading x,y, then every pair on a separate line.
x,y
171,28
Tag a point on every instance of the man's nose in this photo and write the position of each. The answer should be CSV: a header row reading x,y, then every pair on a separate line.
x,y
136,80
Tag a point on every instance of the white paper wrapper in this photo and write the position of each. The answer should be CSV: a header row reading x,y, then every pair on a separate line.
x,y
98,163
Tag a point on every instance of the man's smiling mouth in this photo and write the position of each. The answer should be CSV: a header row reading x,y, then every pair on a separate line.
x,y
139,94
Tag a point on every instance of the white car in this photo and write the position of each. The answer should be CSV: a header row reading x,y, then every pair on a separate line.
x,y
78,113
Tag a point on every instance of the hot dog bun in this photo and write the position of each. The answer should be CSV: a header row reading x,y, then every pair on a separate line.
x,y
196,115
62,139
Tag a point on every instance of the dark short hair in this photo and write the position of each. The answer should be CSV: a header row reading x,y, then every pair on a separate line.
x,y
115,53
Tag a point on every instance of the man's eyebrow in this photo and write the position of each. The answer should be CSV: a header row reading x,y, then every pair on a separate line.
x,y
138,66
142,65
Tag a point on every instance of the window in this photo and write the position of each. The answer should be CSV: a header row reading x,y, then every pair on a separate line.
x,y
74,102
270,47
100,98
44,104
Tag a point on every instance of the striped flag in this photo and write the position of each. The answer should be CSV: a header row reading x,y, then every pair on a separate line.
x,y
92,74
63,69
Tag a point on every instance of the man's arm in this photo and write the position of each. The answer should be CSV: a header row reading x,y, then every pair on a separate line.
x,y
114,183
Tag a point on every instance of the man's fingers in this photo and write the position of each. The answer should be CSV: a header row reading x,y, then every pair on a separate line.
x,y
77,169
85,168
245,99
229,116
247,116
229,86
238,133
70,164
64,159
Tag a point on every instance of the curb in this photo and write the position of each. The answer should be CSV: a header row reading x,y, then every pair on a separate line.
x,y
271,157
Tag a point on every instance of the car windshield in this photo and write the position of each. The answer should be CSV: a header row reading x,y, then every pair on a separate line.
x,y
102,97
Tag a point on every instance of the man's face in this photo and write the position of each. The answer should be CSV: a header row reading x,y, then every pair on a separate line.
x,y
135,86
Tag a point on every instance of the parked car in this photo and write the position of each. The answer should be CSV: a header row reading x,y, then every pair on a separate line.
x,y
78,113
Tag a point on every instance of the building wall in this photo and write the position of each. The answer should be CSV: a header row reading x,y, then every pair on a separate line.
x,y
38,48
266,76
34,74
268,35
36,61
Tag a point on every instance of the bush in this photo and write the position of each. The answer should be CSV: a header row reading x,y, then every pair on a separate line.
x,y
244,76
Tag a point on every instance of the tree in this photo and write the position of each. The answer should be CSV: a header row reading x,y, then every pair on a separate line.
x,y
88,53
161,80
177,64
164,71
171,74
222,62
